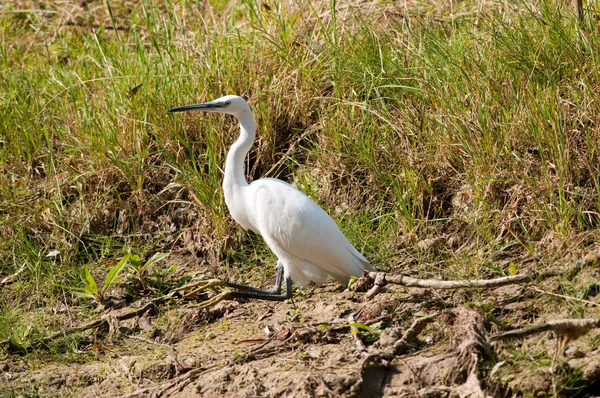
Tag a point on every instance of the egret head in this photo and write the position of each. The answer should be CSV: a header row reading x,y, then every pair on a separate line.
x,y
231,104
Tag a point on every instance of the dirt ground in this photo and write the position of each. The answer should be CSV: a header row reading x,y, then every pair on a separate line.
x,y
328,342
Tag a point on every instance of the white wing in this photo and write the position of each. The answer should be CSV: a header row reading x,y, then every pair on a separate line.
x,y
296,228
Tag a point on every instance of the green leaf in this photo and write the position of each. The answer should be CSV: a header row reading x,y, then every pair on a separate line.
x,y
78,291
85,295
91,287
114,271
512,269
360,326
136,261
91,291
371,338
352,281
166,270
496,269
157,257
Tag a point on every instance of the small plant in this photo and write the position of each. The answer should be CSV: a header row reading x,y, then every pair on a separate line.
x,y
294,314
91,289
147,276
352,282
369,334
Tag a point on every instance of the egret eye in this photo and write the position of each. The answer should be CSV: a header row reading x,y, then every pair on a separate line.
x,y
227,103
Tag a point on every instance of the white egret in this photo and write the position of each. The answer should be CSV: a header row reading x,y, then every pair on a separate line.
x,y
308,244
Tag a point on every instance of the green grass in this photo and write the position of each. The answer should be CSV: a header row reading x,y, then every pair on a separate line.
x,y
476,126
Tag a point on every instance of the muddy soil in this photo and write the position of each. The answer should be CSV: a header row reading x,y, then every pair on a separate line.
x,y
328,342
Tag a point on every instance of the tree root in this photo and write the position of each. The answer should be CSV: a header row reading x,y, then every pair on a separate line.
x,y
565,329
461,364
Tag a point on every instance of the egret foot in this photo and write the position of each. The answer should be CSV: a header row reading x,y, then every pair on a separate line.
x,y
275,290
213,284
248,293
273,294
219,287
217,298
225,290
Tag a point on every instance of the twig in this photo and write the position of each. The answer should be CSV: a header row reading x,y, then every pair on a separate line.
x,y
565,329
343,323
570,329
62,333
363,283
537,289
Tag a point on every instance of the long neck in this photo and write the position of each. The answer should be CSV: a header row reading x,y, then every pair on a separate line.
x,y
234,165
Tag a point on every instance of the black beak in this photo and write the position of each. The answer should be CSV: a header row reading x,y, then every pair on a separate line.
x,y
200,107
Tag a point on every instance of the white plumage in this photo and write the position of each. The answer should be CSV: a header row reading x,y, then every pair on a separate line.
x,y
305,239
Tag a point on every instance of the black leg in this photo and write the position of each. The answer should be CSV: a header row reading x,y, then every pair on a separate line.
x,y
273,291
267,296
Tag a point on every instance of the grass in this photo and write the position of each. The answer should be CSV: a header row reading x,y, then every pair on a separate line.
x,y
437,135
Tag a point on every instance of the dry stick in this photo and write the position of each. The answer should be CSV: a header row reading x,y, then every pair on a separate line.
x,y
570,329
377,286
565,329
481,283
403,344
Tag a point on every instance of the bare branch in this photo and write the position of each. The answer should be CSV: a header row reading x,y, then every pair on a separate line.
x,y
382,279
570,329
378,284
